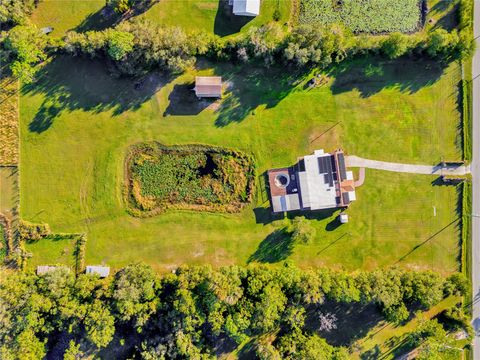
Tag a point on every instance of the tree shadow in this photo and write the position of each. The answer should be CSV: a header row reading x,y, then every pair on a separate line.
x,y
354,321
248,88
449,20
276,247
182,101
74,83
370,75
98,21
226,23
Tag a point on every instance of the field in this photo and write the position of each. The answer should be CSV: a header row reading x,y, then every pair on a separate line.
x,y
213,16
368,16
77,124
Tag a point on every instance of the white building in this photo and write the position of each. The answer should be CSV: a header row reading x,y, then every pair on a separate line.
x,y
317,181
102,271
208,86
246,7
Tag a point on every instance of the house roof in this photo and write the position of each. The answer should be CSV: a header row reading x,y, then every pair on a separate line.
x,y
318,181
208,86
103,271
246,7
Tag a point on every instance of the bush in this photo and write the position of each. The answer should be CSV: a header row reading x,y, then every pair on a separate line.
x,y
32,232
371,16
191,177
302,230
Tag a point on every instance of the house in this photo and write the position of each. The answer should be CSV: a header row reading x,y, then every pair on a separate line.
x,y
102,271
44,269
208,86
317,181
246,7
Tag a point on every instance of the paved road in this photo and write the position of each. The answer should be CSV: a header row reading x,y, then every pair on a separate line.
x,y
355,161
475,168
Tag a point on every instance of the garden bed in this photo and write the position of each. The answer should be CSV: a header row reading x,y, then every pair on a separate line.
x,y
364,16
190,177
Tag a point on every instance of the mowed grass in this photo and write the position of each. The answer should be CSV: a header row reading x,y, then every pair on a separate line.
x,y
52,250
77,123
213,16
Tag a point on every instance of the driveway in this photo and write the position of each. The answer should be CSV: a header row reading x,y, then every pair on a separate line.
x,y
355,161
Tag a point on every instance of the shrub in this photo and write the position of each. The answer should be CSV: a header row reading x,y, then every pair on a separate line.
x,y
190,177
372,16
33,232
302,230
120,43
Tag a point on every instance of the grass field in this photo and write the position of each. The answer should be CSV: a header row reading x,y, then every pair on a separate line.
x,y
213,16
77,123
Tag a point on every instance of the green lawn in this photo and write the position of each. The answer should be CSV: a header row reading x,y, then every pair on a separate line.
x,y
213,16
77,123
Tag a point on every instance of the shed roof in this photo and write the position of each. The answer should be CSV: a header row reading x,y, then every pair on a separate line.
x,y
208,86
103,271
43,269
246,7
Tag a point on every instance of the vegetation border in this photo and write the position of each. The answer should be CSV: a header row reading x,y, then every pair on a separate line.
x,y
133,210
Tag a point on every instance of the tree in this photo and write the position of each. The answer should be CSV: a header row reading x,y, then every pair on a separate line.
x,y
134,293
396,313
15,12
99,324
302,230
27,46
442,43
120,43
124,6
327,321
395,45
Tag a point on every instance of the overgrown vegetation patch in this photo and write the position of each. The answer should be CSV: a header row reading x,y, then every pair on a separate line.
x,y
187,177
369,16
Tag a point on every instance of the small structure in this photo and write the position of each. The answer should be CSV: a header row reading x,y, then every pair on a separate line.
x,y
318,181
46,30
246,7
102,271
208,86
343,218
44,269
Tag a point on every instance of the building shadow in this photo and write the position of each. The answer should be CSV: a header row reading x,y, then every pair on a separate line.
x,y
69,84
226,23
276,247
182,101
266,216
369,75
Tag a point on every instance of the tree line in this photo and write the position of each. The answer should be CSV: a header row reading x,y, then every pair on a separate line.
x,y
188,313
138,46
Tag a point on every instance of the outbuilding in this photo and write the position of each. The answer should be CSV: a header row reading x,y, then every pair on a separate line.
x,y
44,269
102,271
208,86
246,7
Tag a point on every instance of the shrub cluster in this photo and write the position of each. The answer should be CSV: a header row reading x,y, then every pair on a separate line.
x,y
191,176
188,313
32,232
370,16
15,11
136,47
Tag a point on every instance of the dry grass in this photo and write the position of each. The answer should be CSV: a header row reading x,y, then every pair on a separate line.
x,y
8,121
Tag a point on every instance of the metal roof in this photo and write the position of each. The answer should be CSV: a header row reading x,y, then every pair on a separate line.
x,y
103,271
